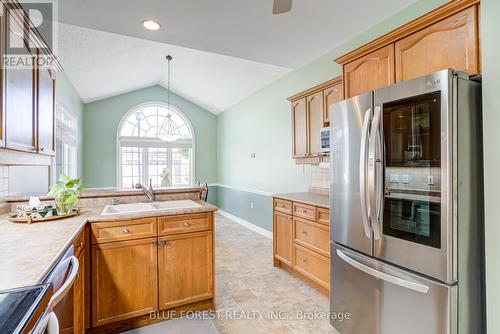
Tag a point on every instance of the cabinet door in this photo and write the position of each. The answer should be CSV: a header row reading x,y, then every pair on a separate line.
x,y
372,71
330,96
450,43
79,299
315,122
185,267
46,111
124,280
282,237
20,107
299,128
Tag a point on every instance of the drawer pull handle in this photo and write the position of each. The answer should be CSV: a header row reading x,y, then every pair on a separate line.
x,y
126,230
304,232
187,224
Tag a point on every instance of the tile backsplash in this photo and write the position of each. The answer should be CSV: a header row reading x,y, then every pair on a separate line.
x,y
4,182
320,177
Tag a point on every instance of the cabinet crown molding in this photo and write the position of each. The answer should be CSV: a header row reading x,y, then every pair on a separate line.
x,y
438,14
316,89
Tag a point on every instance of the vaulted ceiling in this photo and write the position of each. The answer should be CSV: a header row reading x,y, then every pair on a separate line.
x,y
224,50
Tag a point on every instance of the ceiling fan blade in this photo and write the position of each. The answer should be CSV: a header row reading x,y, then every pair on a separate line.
x,y
282,6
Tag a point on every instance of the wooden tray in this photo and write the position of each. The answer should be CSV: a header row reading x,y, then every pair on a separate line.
x,y
29,220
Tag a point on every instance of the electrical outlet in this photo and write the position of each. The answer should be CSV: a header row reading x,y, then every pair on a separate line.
x,y
405,178
251,205
394,178
252,155
430,180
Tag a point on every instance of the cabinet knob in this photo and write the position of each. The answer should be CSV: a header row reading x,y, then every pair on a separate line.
x,y
126,230
154,242
163,242
186,224
304,232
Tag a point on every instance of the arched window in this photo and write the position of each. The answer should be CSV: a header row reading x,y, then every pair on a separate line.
x,y
145,152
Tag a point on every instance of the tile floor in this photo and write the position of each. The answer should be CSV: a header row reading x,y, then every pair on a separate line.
x,y
252,296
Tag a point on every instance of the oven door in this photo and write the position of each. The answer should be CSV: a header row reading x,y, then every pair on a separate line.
x,y
410,175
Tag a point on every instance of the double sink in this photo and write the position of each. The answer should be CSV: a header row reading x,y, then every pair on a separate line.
x,y
149,206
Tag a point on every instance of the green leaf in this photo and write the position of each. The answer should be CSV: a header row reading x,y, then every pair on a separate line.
x,y
71,200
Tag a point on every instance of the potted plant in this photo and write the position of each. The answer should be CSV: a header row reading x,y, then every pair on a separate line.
x,y
66,193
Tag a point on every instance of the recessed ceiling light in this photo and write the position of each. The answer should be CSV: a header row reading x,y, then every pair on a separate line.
x,y
151,24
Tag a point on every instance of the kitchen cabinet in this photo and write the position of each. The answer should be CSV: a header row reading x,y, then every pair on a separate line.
x,y
315,123
301,241
446,37
283,245
372,71
124,280
46,110
331,95
310,112
150,264
299,129
450,43
185,269
20,110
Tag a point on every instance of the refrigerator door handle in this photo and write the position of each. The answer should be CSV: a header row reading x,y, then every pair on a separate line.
x,y
362,173
375,168
383,276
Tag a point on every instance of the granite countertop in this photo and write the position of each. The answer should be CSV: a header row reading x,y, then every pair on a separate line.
x,y
319,200
29,251
111,192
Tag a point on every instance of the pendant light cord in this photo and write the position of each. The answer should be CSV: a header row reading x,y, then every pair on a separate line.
x,y
169,58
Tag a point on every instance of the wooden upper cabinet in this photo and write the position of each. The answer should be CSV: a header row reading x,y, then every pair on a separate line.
x,y
118,270
299,128
372,71
330,96
185,267
46,111
450,43
315,122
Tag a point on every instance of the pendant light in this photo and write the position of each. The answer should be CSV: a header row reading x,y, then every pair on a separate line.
x,y
169,131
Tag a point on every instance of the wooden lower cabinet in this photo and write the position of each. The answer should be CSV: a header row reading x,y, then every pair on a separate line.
x,y
301,242
185,268
283,244
124,280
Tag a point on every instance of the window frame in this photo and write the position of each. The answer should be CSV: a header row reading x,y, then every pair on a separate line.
x,y
184,143
67,133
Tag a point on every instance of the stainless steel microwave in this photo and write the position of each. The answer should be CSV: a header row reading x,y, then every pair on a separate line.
x,y
325,140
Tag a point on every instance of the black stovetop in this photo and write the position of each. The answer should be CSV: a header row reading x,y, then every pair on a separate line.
x,y
19,306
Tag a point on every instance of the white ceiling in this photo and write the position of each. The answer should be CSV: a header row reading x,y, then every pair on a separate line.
x,y
224,50
101,64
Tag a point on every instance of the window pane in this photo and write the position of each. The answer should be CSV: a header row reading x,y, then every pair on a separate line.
x,y
132,166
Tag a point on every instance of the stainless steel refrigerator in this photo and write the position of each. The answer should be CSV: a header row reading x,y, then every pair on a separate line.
x,y
407,208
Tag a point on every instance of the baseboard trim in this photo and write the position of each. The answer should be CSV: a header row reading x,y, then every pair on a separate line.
x,y
247,224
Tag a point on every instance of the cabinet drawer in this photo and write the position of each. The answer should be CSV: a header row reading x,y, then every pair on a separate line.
x,y
312,265
123,230
79,242
304,211
283,206
323,216
184,224
312,235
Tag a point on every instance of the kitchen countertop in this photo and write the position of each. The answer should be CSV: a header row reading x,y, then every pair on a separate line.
x,y
319,200
29,251
111,192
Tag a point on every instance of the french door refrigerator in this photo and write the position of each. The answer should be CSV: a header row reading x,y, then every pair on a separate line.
x,y
406,199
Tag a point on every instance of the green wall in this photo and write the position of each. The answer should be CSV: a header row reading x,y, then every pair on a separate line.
x,y
490,50
67,96
100,123
261,124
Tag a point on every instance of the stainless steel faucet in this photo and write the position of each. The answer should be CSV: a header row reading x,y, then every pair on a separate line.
x,y
148,191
